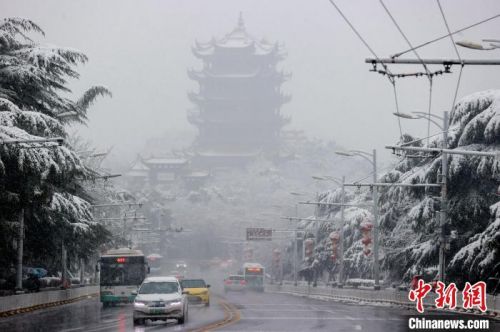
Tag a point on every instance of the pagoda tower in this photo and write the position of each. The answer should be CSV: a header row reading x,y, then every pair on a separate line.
x,y
238,105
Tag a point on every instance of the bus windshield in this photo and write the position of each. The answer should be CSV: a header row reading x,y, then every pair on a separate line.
x,y
113,273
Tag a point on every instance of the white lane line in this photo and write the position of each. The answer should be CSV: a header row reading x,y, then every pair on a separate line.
x,y
336,313
358,327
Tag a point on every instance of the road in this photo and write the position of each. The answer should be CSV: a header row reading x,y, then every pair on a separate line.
x,y
254,312
280,312
89,316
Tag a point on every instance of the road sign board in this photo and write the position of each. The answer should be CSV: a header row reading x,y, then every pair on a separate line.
x,y
259,234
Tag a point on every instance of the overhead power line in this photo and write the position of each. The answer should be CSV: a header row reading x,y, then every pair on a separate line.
x,y
444,36
390,76
404,36
456,51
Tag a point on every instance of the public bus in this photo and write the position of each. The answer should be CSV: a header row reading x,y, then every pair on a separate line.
x,y
254,276
121,273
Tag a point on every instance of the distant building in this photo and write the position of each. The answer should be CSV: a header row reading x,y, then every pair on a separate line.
x,y
238,105
157,170
165,171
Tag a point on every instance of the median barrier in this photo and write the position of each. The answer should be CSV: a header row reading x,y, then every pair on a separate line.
x,y
15,304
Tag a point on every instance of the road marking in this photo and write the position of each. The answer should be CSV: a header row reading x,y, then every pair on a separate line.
x,y
358,327
231,316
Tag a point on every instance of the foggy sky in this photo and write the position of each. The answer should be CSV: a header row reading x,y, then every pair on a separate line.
x,y
142,49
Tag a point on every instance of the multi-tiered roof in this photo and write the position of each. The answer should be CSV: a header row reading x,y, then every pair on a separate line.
x,y
237,107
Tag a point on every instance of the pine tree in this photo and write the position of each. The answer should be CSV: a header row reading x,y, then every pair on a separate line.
x,y
46,182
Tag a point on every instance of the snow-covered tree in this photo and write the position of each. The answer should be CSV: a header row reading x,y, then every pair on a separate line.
x,y
409,217
44,182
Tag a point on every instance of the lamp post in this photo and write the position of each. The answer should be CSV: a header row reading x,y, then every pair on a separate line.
x,y
340,182
444,179
372,159
295,249
493,44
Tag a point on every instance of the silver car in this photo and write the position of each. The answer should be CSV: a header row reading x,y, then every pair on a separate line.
x,y
160,298
235,283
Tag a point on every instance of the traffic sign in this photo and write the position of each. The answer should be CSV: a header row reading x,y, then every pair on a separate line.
x,y
259,234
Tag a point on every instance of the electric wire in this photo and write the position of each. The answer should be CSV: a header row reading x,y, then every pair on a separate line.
x,y
456,51
429,111
449,31
429,74
397,108
457,87
357,33
444,36
405,38
390,76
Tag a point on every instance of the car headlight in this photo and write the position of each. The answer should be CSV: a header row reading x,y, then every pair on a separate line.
x,y
140,304
175,302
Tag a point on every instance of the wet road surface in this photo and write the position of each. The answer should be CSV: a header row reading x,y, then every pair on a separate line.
x,y
89,316
280,312
254,312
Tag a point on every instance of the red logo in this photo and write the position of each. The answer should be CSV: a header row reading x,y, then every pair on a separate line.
x,y
419,294
472,295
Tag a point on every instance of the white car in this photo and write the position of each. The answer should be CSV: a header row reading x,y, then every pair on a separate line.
x,y
160,298
235,283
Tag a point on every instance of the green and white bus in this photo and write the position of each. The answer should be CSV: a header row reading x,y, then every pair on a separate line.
x,y
121,273
254,276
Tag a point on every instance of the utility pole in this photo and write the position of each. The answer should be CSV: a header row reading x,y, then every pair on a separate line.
x,y
64,276
82,270
373,162
376,267
20,245
341,267
295,249
444,203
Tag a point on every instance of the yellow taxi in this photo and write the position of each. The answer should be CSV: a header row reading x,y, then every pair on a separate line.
x,y
197,291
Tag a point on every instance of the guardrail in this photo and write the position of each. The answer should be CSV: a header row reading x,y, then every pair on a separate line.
x,y
387,296
15,304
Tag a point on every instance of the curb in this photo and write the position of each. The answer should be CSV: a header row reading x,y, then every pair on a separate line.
x,y
44,305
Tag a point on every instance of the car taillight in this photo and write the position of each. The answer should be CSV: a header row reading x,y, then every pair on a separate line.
x,y
228,282
243,282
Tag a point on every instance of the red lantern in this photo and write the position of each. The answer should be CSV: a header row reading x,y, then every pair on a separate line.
x,y
334,237
308,247
366,229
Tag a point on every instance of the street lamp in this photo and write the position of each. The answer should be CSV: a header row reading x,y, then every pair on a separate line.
x,y
340,182
327,178
444,180
493,44
372,159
